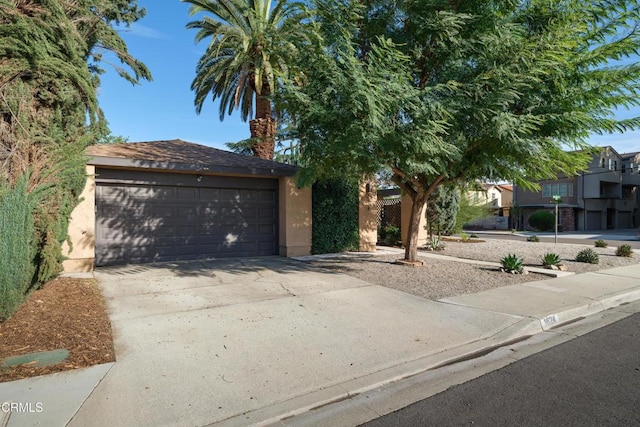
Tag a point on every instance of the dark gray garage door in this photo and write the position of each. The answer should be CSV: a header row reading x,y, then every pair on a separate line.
x,y
624,219
149,217
594,220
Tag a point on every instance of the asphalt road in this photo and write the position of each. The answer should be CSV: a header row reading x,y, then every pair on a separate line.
x,y
635,244
593,380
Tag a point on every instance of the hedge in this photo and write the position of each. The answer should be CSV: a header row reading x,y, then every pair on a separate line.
x,y
335,217
542,220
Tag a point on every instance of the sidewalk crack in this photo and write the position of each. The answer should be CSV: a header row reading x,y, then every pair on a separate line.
x,y
287,290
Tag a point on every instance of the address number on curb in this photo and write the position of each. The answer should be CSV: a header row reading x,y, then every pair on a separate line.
x,y
549,321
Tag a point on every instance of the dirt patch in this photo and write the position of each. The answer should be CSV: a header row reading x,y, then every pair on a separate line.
x,y
531,252
64,314
440,278
434,280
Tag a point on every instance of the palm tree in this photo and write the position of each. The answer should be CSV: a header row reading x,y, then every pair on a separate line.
x,y
251,45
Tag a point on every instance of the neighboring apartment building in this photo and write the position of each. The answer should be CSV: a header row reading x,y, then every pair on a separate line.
x,y
604,197
497,197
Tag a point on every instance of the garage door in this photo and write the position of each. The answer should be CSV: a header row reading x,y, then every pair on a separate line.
x,y
624,219
150,217
594,221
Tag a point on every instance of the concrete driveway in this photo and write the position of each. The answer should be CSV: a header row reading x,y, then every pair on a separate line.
x,y
246,341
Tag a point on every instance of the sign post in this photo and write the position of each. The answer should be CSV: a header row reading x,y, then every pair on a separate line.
x,y
556,200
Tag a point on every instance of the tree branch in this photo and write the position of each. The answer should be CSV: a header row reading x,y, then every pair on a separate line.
x,y
406,179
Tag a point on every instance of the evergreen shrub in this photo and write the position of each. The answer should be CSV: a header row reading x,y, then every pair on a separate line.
x,y
542,220
335,216
17,245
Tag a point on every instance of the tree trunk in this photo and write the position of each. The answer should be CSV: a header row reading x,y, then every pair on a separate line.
x,y
264,130
417,210
263,127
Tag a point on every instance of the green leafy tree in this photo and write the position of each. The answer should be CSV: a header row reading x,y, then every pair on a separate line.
x,y
252,45
443,92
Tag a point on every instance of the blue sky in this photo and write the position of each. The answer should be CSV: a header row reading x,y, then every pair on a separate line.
x,y
163,108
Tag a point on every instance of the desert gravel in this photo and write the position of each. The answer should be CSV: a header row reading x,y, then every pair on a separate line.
x,y
531,252
440,279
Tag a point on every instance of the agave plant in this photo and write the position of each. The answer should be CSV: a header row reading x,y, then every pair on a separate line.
x,y
550,259
512,264
435,244
588,255
601,243
624,250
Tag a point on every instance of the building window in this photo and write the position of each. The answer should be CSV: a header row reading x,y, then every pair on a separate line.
x,y
610,164
624,168
615,165
602,163
631,167
562,190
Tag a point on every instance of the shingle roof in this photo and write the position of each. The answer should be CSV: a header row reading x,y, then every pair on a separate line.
x,y
181,155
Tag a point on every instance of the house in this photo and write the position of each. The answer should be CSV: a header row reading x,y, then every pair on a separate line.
x,y
175,200
603,197
498,198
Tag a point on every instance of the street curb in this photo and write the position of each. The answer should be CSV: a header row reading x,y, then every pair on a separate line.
x,y
522,329
269,415
396,396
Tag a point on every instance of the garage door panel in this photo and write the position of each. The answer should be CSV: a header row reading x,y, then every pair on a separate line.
x,y
267,229
265,246
209,211
211,230
160,211
248,212
267,214
177,250
187,230
268,196
246,195
229,196
209,194
250,229
138,223
186,194
164,241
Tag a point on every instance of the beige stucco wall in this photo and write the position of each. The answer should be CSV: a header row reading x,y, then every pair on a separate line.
x,y
295,218
405,216
82,230
368,216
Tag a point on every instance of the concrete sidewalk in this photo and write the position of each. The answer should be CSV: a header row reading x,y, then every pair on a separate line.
x,y
242,342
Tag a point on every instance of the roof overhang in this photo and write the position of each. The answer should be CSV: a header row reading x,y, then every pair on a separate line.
x,y
277,170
